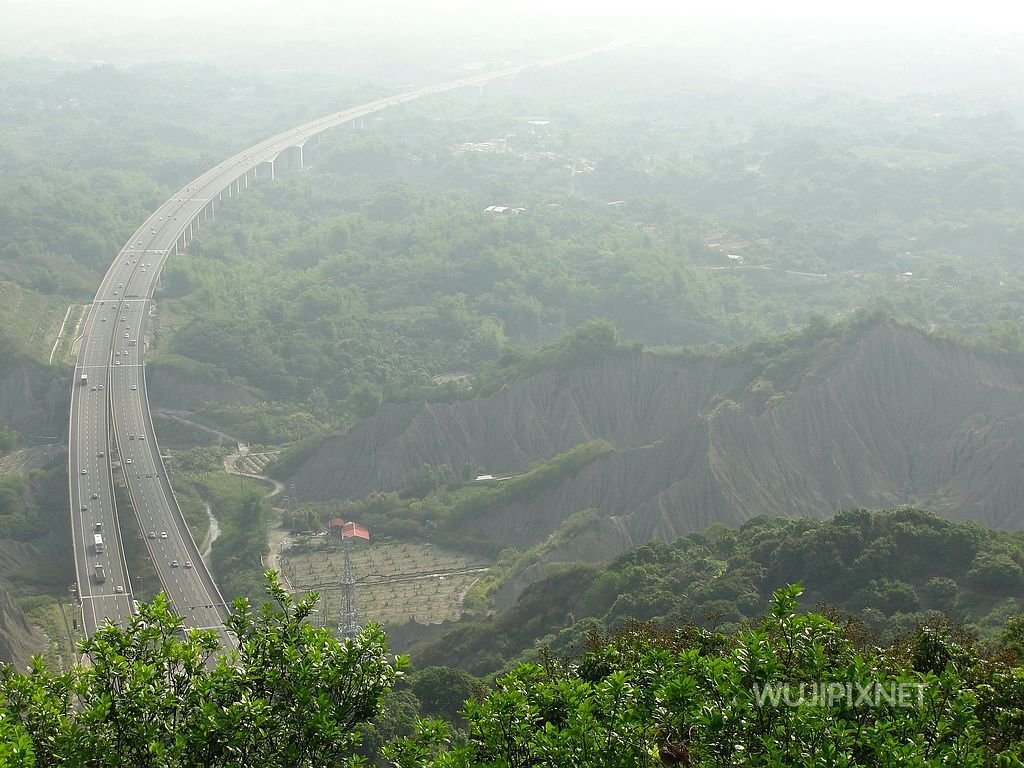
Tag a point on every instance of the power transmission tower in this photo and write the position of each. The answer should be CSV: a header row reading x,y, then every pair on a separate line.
x,y
348,621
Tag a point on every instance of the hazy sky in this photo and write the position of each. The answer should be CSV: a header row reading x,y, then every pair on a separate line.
x,y
989,14
344,35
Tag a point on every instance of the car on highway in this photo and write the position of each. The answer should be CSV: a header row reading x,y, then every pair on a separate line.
x,y
85,508
142,437
95,496
103,319
174,563
100,454
127,335
119,589
152,534
134,387
188,563
131,436
101,386
163,534
128,461
85,471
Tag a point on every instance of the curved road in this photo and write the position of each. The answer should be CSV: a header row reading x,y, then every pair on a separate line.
x,y
110,429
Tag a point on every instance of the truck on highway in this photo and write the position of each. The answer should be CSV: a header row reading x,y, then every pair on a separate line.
x,y
100,575
84,380
98,543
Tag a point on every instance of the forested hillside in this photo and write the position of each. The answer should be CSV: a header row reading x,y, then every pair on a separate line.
x,y
893,569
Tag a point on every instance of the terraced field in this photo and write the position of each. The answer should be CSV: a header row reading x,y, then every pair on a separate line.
x,y
254,463
394,582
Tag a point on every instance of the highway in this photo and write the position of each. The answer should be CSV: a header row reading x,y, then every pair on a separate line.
x,y
110,429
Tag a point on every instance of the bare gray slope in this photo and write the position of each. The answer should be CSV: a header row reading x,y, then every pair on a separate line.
x,y
885,416
19,638
33,397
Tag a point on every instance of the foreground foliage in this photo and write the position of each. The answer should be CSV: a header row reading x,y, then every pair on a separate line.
x,y
650,697
290,695
792,689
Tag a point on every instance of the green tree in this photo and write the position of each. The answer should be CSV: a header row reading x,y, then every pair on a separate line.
x,y
442,691
288,695
365,399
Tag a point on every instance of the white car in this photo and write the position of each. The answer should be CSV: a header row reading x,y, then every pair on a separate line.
x,y
85,471
134,387
163,534
119,589
128,461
